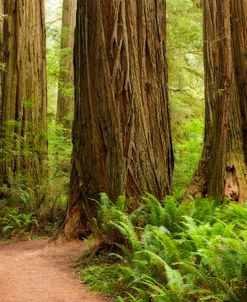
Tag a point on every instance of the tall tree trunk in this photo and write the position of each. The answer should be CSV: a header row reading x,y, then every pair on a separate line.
x,y
222,169
66,77
1,52
121,130
24,99
239,45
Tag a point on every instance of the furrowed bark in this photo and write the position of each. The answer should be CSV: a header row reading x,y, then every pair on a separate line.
x,y
24,99
121,131
222,169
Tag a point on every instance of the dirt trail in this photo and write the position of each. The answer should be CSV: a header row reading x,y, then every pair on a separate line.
x,y
35,271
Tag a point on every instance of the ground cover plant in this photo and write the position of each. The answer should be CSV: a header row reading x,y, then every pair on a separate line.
x,y
193,251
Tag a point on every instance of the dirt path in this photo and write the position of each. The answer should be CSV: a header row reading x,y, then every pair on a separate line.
x,y
35,271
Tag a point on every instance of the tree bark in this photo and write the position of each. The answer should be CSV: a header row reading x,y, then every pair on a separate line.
x,y
121,131
24,98
66,77
1,50
222,169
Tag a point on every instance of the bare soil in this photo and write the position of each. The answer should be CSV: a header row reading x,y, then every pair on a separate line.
x,y
38,271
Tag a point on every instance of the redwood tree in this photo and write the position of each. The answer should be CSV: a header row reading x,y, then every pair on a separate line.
x,y
121,130
1,48
65,84
223,166
24,101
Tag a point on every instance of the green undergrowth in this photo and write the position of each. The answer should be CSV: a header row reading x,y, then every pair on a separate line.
x,y
29,208
170,252
17,223
14,224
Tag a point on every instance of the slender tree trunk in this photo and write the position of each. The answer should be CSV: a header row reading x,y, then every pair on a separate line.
x,y
222,169
24,100
121,130
66,77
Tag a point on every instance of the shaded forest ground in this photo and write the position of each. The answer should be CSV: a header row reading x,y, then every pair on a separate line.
x,y
37,271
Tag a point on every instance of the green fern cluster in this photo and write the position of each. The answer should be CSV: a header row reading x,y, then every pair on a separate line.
x,y
15,224
195,251
112,224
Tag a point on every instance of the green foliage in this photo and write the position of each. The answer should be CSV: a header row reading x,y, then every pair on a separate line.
x,y
22,152
185,62
194,251
103,278
53,38
47,199
187,152
3,17
161,213
56,56
15,224
59,138
57,182
52,54
112,224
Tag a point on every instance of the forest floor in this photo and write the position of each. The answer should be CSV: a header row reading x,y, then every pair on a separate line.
x,y
38,271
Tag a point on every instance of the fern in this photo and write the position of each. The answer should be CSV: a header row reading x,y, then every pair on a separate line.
x,y
195,251
156,212
127,231
162,213
112,223
14,224
157,240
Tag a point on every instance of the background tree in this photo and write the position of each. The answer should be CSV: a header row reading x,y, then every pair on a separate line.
x,y
66,85
121,130
24,100
222,169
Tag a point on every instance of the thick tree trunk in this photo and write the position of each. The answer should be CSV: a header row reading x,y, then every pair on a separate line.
x,y
1,52
222,169
121,130
239,45
66,77
24,101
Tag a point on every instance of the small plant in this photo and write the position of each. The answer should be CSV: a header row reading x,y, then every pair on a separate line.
x,y
14,224
112,223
